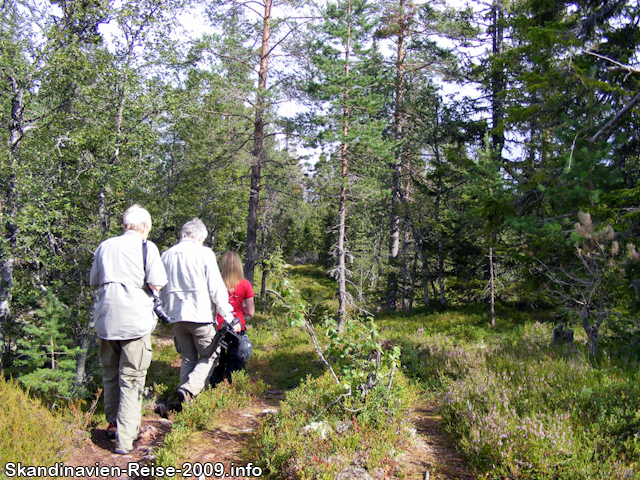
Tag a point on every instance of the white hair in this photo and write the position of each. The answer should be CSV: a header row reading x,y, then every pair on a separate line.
x,y
194,229
136,218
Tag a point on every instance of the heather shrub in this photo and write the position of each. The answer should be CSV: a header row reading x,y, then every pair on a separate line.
x,y
528,410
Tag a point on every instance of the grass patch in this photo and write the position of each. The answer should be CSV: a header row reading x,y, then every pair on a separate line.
x,y
203,413
162,378
22,423
283,356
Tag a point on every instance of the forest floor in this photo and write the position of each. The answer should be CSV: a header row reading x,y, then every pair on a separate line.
x,y
230,442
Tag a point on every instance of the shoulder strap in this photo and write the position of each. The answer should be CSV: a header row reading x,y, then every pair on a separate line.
x,y
144,260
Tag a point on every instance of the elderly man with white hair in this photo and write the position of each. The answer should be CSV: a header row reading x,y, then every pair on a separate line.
x,y
194,287
124,320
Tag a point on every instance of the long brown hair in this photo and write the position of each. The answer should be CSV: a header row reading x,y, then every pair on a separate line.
x,y
231,269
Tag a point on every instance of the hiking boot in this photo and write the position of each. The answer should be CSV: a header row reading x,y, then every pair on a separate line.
x,y
182,396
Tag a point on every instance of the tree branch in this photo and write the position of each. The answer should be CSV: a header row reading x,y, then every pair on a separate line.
x,y
616,119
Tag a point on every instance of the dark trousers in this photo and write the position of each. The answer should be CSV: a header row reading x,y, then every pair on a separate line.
x,y
229,361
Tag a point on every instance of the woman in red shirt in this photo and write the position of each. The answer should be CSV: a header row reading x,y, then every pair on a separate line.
x,y
241,299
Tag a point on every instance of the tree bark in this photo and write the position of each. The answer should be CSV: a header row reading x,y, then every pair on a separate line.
x,y
342,209
426,277
493,288
440,238
497,78
258,153
263,289
394,239
8,212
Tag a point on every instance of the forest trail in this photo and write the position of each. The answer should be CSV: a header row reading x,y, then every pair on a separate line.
x,y
229,445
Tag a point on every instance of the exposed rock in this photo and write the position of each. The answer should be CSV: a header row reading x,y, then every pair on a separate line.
x,y
165,423
161,409
147,433
342,427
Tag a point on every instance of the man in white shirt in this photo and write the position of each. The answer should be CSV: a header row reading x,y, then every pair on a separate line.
x,y
194,287
124,321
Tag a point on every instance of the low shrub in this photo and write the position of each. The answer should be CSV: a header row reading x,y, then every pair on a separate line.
x,y
316,436
22,423
535,411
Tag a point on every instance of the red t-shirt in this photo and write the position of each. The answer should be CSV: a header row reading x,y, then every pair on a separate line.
x,y
242,291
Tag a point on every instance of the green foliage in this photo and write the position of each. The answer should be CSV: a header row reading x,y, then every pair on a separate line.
x,y
312,437
359,356
48,360
30,433
161,375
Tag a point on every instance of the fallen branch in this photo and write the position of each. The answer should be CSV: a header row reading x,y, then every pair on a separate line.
x,y
277,295
316,346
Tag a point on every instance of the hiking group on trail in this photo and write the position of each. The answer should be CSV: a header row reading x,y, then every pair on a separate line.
x,y
127,273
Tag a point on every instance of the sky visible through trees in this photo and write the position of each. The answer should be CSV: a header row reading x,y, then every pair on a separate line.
x,y
423,153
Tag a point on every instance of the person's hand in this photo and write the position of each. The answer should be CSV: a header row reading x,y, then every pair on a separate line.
x,y
236,325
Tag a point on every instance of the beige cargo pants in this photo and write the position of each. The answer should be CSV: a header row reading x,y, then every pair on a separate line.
x,y
124,370
194,342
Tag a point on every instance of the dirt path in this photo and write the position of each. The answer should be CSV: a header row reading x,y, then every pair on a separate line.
x,y
98,451
434,451
227,449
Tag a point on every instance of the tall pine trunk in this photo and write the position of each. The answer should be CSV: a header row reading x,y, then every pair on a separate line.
x,y
258,153
436,216
342,209
493,287
497,77
396,197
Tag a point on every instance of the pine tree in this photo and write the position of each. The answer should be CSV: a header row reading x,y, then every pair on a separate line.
x,y
340,81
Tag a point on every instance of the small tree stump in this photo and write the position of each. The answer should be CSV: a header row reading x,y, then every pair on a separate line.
x,y
562,336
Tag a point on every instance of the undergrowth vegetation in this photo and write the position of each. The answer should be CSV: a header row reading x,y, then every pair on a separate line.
x,y
355,414
22,423
203,413
314,436
520,407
